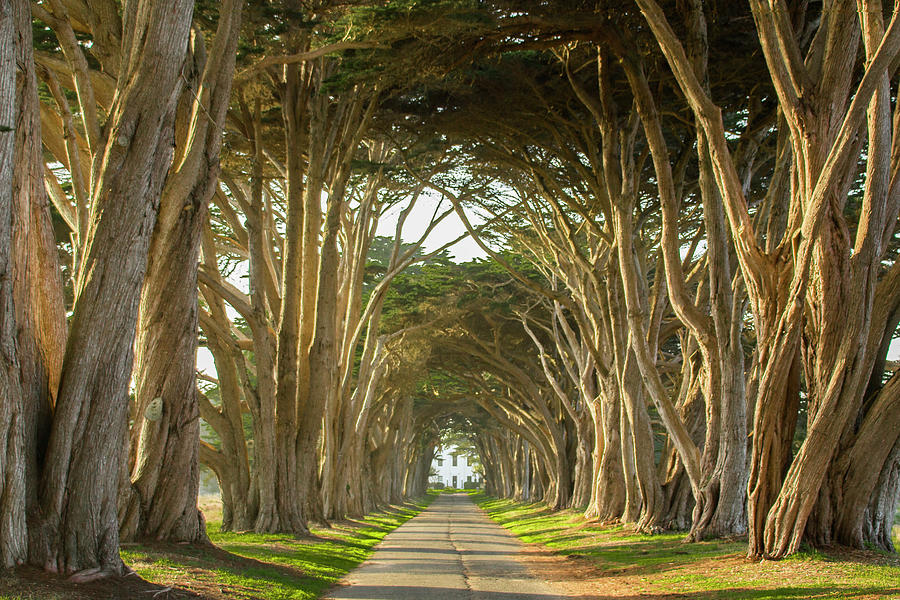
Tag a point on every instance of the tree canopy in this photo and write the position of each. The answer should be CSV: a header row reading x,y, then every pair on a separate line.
x,y
684,318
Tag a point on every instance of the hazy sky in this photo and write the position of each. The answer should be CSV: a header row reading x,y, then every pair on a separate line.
x,y
448,230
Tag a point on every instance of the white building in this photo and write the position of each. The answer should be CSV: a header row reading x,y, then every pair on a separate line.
x,y
451,468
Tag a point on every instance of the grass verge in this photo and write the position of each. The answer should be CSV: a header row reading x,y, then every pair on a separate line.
x,y
246,566
615,562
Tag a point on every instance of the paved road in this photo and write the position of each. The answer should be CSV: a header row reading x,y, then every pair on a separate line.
x,y
449,551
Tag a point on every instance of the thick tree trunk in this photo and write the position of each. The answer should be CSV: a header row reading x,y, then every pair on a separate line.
x,y
420,483
281,511
837,352
875,525
653,506
816,263
350,473
506,487
692,408
78,523
37,301
774,423
720,505
522,471
633,501
310,259
644,499
720,509
582,470
342,483
859,494
13,534
562,476
262,405
608,494
165,475
493,474
323,368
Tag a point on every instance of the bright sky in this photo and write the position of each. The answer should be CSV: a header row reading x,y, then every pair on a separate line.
x,y
448,230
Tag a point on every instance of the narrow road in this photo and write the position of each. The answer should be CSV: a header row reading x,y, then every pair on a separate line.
x,y
449,551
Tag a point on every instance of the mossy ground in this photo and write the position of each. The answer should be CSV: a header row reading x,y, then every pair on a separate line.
x,y
245,566
620,563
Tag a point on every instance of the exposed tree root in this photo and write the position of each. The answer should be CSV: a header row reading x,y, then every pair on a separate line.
x,y
94,574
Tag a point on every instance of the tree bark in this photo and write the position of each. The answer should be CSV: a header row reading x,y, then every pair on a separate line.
x,y
813,256
13,533
165,475
323,368
78,525
608,494
286,514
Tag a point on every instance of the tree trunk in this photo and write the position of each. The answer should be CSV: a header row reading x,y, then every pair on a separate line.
x,y
165,476
583,468
78,522
262,300
37,300
643,489
653,508
877,521
323,367
693,409
608,495
13,534
774,422
350,471
817,272
837,350
720,509
859,494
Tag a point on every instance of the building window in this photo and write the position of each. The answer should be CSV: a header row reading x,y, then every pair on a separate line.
x,y
469,479
454,460
440,462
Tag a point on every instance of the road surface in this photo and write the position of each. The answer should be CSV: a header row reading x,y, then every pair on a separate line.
x,y
449,551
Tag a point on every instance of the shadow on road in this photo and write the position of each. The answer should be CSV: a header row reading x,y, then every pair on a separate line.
x,y
389,592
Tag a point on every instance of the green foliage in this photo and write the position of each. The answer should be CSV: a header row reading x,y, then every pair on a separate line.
x,y
379,258
267,24
43,37
451,490
417,293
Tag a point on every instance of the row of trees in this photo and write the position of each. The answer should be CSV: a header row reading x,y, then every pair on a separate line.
x,y
162,153
691,214
707,193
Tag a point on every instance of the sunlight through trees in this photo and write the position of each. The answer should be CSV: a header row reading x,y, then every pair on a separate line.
x,y
683,321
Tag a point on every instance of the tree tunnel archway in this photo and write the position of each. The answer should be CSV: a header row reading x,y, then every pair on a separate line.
x,y
690,211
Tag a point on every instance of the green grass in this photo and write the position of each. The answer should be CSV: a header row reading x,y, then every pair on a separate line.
x,y
270,566
450,490
896,529
662,564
